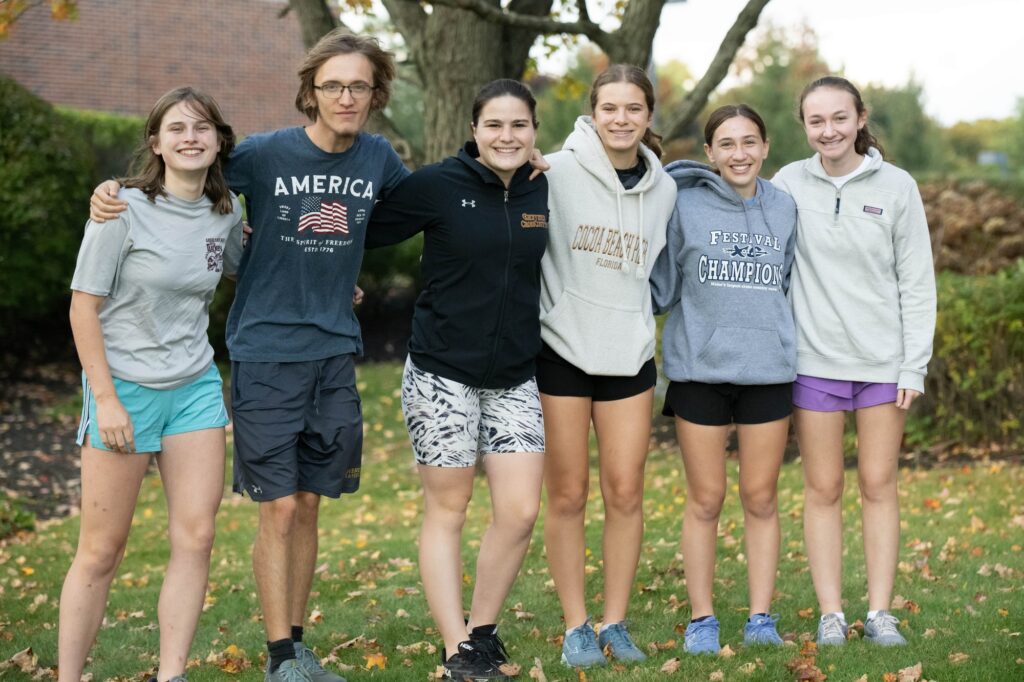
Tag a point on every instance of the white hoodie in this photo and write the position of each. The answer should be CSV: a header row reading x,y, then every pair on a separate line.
x,y
603,240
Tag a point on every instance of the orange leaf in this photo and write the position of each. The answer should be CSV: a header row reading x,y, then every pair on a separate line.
x,y
377,660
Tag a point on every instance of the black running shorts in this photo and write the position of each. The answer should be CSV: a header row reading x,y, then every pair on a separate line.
x,y
557,376
297,426
721,404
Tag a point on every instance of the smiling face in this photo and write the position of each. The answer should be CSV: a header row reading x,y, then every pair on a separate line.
x,y
339,119
737,150
187,140
504,135
831,123
621,116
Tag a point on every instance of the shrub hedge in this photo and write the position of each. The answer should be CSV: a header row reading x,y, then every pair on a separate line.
x,y
975,385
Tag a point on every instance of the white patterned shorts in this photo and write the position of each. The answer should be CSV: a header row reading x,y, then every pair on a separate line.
x,y
450,423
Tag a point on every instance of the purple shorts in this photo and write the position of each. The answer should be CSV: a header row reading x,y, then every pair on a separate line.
x,y
832,395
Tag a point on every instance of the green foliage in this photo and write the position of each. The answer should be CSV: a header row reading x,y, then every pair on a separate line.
x,y
45,172
14,518
912,139
561,100
113,139
975,384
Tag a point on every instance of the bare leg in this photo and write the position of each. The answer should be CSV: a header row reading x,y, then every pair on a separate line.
x,y
879,433
761,450
446,495
820,436
271,564
110,486
192,470
623,434
515,481
567,480
304,549
703,449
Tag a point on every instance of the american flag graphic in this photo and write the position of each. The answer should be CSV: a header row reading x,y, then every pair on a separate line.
x,y
323,217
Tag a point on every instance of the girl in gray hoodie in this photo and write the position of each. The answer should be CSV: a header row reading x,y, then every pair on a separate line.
x,y
730,354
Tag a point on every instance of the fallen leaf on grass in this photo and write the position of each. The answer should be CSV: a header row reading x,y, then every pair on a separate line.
x,y
671,665
317,616
805,613
537,671
510,669
958,657
862,678
911,674
376,660
716,676
726,652
231,660
888,677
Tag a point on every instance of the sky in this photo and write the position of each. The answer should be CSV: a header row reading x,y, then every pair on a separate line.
x,y
966,53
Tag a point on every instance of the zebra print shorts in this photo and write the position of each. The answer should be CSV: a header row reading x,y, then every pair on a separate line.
x,y
450,423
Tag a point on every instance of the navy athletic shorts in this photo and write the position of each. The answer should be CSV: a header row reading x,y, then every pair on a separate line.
x,y
298,426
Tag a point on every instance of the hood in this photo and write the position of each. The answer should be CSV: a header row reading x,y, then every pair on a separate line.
x,y
585,145
688,174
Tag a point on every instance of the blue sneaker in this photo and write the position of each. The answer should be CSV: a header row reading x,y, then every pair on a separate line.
x,y
761,630
580,649
621,646
882,630
831,630
702,637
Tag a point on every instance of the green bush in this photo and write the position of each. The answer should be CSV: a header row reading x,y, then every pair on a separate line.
x,y
45,173
14,518
112,138
975,384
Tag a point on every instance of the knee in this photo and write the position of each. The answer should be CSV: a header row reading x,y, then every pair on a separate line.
x,y
705,505
822,493
518,519
448,511
759,504
624,496
307,508
99,558
568,500
878,489
279,514
194,536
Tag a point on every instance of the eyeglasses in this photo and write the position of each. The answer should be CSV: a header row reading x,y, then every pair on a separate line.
x,y
358,90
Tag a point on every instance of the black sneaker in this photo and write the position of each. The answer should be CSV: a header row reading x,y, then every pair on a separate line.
x,y
471,664
486,639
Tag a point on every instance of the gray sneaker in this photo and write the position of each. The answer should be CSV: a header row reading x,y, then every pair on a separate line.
x,y
616,637
580,649
176,678
289,671
309,662
831,630
883,630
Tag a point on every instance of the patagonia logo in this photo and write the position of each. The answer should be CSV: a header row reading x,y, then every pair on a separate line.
x,y
873,210
532,220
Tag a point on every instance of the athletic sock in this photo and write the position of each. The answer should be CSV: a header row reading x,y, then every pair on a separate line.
x,y
297,633
842,616
872,614
756,615
280,651
701,619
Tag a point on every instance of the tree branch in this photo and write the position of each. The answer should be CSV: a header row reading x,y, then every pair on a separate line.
x,y
581,7
584,26
698,97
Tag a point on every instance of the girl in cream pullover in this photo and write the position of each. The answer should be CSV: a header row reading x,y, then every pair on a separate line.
x,y
610,202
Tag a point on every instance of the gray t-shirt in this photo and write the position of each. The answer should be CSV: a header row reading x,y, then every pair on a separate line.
x,y
158,265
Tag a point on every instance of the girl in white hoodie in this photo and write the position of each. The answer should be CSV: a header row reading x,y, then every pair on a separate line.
x,y
610,202
863,293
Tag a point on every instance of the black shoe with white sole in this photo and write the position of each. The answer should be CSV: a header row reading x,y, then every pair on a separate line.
x,y
471,664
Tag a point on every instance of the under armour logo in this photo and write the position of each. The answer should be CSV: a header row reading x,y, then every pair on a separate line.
x,y
469,202
256,490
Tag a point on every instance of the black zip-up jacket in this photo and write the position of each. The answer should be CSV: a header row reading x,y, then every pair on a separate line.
x,y
476,320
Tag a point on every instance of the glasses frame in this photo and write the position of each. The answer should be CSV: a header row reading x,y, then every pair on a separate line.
x,y
341,93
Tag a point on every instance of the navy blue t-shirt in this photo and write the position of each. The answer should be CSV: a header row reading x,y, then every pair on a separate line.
x,y
308,209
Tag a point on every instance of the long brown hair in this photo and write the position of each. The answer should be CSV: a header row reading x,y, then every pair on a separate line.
x,y
627,73
865,140
342,41
148,167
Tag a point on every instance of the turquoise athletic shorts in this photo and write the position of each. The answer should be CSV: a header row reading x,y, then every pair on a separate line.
x,y
155,413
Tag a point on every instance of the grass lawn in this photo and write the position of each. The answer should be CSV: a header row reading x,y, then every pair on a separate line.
x,y
959,585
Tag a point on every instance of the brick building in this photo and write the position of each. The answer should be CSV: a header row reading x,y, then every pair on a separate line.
x,y
121,55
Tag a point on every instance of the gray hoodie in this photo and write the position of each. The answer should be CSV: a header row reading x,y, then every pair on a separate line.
x,y
602,242
724,276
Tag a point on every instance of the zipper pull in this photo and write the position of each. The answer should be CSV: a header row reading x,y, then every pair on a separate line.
x,y
506,196
835,216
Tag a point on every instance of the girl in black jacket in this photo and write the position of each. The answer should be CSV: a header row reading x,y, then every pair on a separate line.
x,y
468,388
